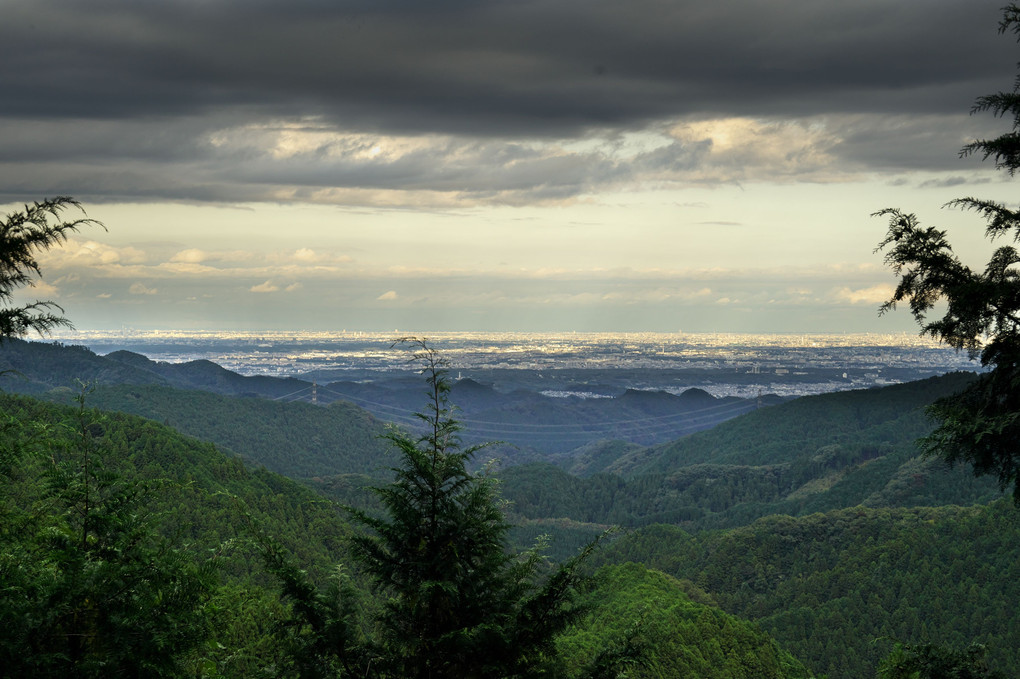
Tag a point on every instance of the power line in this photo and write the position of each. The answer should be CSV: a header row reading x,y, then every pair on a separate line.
x,y
648,425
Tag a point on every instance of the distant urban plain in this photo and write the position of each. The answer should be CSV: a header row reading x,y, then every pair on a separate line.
x,y
585,365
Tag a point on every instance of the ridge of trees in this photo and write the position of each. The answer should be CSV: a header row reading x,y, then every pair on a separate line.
x,y
827,586
296,439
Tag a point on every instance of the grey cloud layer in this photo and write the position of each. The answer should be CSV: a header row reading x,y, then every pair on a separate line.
x,y
122,98
546,65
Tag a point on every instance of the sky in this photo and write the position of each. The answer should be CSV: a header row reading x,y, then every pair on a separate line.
x,y
527,165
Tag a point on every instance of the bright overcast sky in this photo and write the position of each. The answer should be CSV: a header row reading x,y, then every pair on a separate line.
x,y
623,165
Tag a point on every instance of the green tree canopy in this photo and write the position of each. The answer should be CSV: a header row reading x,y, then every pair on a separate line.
x,y
933,661
87,586
459,602
980,425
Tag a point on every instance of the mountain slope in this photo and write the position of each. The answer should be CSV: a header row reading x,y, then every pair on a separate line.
x,y
796,428
533,424
826,586
208,497
299,440
688,639
813,454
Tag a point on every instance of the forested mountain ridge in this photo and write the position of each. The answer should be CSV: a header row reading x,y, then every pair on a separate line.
x,y
208,490
538,426
813,454
690,639
296,439
534,425
855,448
865,417
35,367
827,586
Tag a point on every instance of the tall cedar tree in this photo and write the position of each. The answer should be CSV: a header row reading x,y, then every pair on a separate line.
x,y
459,602
23,235
980,425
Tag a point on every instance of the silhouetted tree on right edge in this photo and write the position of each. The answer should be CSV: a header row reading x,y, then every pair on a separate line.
x,y
980,425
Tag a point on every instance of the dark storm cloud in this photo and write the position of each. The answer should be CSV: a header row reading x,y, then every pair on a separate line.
x,y
122,99
495,66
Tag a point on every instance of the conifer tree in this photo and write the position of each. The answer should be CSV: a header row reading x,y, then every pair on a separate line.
x,y
459,602
23,235
934,661
981,425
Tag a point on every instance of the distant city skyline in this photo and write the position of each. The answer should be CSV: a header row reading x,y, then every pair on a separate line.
x,y
491,166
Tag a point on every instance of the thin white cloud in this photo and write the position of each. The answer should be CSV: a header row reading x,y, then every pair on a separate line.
x,y
873,295
90,253
267,286
190,256
142,289
41,288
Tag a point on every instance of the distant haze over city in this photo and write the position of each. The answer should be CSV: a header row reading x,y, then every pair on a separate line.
x,y
561,363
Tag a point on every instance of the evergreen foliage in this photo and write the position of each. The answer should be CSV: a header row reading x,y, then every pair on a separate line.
x,y
981,425
197,501
826,586
459,603
933,661
812,454
87,586
299,440
669,634
23,234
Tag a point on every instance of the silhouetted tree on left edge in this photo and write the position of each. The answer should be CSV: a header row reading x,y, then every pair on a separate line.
x,y
23,235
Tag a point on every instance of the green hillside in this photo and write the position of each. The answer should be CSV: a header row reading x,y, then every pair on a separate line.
x,y
687,639
299,440
891,556
207,507
826,586
813,454
205,493
863,420
153,510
